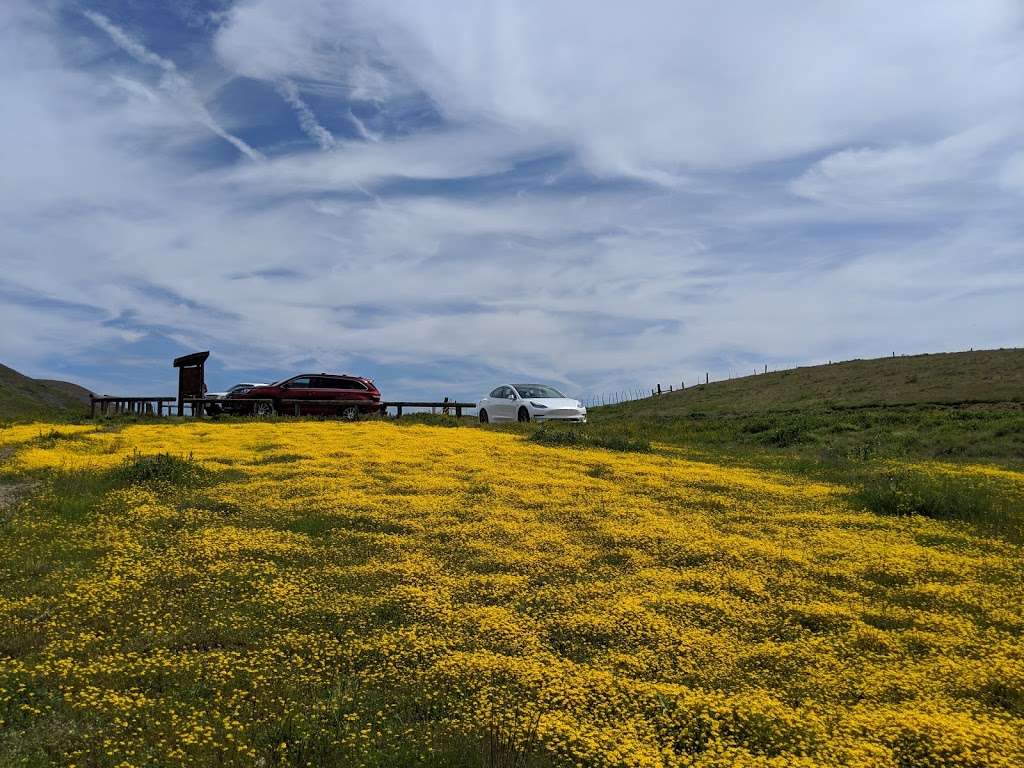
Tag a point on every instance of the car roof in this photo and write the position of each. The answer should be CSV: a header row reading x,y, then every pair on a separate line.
x,y
336,375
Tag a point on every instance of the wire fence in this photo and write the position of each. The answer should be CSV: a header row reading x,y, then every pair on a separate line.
x,y
626,395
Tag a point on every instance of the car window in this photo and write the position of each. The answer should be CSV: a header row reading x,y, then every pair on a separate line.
x,y
301,382
496,393
337,382
537,390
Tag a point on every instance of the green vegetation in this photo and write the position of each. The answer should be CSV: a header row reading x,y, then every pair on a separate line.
x,y
561,437
904,491
160,469
25,399
963,405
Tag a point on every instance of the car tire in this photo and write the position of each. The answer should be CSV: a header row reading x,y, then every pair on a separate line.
x,y
349,413
263,410
524,415
484,418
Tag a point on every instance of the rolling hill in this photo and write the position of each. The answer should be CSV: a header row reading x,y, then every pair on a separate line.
x,y
942,405
23,398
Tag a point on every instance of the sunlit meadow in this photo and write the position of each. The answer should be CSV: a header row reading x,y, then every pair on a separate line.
x,y
314,593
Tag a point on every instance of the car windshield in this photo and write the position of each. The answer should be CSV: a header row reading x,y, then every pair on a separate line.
x,y
526,391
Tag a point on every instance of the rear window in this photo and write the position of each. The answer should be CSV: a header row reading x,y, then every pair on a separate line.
x,y
334,382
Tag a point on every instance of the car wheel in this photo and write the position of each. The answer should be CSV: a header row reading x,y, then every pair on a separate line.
x,y
349,413
484,418
524,415
263,409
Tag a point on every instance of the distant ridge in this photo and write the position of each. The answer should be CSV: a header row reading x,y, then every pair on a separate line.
x,y
24,398
945,378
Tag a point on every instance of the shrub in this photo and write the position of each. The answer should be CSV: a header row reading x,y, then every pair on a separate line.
x,y
160,468
582,438
935,495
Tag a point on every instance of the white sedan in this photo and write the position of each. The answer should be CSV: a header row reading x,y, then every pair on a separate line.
x,y
530,402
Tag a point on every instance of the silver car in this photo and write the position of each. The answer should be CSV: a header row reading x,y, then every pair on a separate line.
x,y
220,401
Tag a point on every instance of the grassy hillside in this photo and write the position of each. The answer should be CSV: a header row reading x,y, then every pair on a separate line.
x,y
963,404
23,398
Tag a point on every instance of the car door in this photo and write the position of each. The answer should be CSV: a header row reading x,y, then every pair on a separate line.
x,y
300,389
503,404
322,389
355,390
490,404
344,390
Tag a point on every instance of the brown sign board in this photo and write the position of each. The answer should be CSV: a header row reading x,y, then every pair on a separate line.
x,y
191,381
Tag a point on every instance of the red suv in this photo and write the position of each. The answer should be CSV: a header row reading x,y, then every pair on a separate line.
x,y
288,395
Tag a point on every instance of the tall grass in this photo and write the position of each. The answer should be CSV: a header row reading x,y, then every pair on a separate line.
x,y
941,497
574,437
160,468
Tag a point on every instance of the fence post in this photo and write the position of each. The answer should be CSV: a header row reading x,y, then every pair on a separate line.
x,y
659,389
707,377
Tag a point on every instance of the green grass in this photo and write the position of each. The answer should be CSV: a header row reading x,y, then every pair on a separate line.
x,y
941,497
965,405
160,469
571,436
26,399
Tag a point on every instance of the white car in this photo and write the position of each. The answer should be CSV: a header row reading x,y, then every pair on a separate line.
x,y
529,402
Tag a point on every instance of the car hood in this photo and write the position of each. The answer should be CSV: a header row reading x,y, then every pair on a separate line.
x,y
555,402
221,395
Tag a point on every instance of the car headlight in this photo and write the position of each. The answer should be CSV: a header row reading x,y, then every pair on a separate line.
x,y
579,404
537,405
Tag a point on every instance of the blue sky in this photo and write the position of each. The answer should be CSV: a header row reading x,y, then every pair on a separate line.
x,y
445,196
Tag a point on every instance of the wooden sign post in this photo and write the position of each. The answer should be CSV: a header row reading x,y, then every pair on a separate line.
x,y
191,382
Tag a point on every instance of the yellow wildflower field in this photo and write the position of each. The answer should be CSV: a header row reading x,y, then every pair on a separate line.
x,y
374,594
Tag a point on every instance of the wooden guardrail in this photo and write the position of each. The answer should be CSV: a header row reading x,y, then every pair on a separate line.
x,y
155,406
149,406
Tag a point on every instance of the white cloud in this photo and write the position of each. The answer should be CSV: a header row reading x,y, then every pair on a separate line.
x,y
655,89
918,176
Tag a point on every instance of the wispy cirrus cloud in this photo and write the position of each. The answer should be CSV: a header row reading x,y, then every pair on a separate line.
x,y
177,85
307,120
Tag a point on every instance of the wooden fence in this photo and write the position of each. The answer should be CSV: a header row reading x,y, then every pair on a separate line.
x,y
156,406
